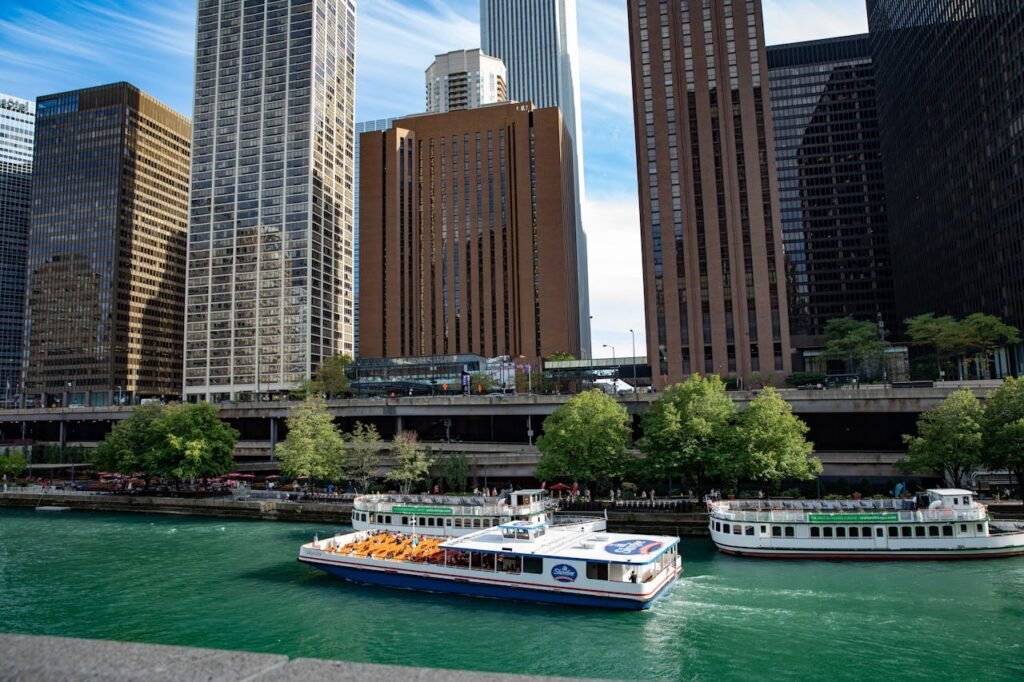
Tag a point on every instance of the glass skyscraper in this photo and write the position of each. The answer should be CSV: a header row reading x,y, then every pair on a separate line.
x,y
271,263
17,130
831,187
537,41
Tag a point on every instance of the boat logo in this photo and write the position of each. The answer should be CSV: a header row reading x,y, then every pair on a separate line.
x,y
632,547
564,573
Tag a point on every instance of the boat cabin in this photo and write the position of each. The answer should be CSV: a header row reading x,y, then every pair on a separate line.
x,y
949,498
524,531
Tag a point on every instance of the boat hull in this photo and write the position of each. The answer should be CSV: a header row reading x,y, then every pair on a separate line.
x,y
874,554
411,580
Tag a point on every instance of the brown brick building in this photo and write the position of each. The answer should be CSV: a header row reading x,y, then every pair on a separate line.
x,y
714,287
467,235
105,308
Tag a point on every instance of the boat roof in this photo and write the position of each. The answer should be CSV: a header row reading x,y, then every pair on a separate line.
x,y
950,491
523,524
569,542
531,491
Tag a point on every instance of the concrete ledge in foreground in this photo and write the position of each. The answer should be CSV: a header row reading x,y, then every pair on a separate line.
x,y
52,659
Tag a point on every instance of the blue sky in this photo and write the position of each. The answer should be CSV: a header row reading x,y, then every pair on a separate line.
x,y
48,46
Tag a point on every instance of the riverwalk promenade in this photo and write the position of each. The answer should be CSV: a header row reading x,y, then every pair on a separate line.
x,y
60,659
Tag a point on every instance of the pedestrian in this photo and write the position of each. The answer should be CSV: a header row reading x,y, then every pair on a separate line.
x,y
652,494
643,494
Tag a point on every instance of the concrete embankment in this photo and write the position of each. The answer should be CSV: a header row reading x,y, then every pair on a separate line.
x,y
308,511
58,658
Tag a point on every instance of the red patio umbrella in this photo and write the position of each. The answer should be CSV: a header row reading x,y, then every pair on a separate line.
x,y
559,486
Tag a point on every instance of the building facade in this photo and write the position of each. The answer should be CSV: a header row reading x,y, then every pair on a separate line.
x,y
271,262
464,79
714,279
537,41
468,238
950,80
17,131
104,316
831,186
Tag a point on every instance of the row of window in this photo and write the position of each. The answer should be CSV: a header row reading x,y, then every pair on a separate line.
x,y
831,531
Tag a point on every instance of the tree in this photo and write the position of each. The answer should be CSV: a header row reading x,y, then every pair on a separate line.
x,y
331,376
977,333
362,460
987,333
12,464
585,439
770,444
481,382
854,342
127,447
314,446
557,381
455,470
949,439
1003,429
191,442
685,430
411,463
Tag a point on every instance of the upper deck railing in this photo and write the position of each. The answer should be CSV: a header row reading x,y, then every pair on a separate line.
x,y
476,505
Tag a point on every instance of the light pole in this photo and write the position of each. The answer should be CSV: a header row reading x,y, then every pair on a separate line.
x,y
633,334
881,346
616,367
591,353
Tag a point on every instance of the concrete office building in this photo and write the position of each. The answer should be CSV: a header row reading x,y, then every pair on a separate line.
x,y
106,253
271,269
831,187
714,279
464,79
537,41
468,238
950,81
17,130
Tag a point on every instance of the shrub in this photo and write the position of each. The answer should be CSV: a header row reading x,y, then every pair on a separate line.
x,y
801,378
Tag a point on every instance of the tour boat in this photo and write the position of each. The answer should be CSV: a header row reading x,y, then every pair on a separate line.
x,y
944,523
575,564
447,515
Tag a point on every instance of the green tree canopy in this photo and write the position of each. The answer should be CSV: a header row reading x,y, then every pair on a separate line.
x,y
455,470
362,460
950,338
855,342
1003,428
411,464
949,439
585,439
686,429
331,376
770,444
314,446
127,447
12,463
193,442
481,382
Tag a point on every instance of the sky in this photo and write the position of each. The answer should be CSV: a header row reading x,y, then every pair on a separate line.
x,y
49,46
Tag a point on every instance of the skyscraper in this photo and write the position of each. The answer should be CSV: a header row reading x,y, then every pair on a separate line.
x,y
468,243
831,186
950,80
106,254
464,79
270,279
714,286
17,130
537,41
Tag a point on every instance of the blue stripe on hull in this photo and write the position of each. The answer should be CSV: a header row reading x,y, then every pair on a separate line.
x,y
410,582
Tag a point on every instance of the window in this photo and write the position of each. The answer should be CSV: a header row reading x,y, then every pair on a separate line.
x,y
364,517
405,520
725,527
422,521
827,531
789,531
387,519
906,531
878,532
933,531
749,530
597,571
947,531
815,532
764,529
737,529
718,526
840,532
447,522
919,531
458,522
981,528
865,532
776,531
963,527
533,564
894,532
854,532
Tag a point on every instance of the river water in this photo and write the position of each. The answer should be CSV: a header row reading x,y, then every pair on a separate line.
x,y
237,585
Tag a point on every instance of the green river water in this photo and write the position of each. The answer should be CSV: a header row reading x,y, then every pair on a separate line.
x,y
237,585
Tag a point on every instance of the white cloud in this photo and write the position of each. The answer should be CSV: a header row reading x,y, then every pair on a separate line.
x,y
790,21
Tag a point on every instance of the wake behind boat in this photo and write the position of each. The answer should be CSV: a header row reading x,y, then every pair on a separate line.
x,y
576,564
946,523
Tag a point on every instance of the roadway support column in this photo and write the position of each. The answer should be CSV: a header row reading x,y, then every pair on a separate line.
x,y
398,424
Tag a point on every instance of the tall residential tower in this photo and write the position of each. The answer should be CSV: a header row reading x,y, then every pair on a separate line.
x,y
537,41
270,271
17,130
106,253
714,285
464,79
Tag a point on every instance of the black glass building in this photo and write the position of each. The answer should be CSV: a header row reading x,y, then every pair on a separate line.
x,y
831,185
950,82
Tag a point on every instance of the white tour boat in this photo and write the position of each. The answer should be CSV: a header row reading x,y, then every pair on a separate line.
x,y
447,515
947,523
520,560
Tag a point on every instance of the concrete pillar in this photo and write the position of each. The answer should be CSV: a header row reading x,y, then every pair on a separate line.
x,y
398,424
63,433
273,433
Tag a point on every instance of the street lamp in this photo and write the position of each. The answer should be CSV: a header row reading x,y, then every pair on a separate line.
x,y
616,366
633,334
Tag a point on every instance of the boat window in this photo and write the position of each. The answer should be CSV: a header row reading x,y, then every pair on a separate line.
x,y
956,500
476,523
865,532
789,531
423,521
597,571
963,527
355,516
815,532
764,529
894,532
533,564
933,531
718,526
458,522
981,528
749,530
840,532
906,531
878,532
776,531
967,501
737,529
919,531
364,517
448,522
405,520
509,564
828,531
854,532
947,531
387,519
725,527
